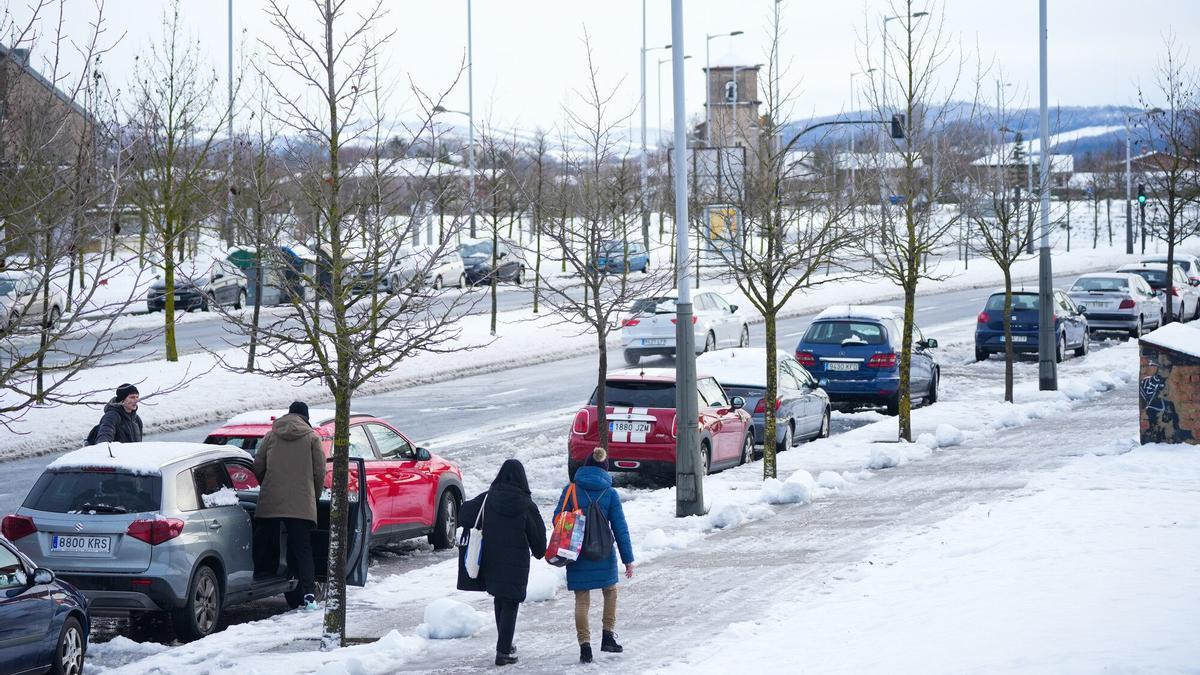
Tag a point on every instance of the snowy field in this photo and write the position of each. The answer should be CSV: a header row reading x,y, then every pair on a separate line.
x,y
1033,537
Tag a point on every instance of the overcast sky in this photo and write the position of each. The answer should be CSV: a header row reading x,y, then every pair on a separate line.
x,y
529,54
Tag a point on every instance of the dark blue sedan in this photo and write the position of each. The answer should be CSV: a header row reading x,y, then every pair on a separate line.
x,y
619,256
1070,325
44,621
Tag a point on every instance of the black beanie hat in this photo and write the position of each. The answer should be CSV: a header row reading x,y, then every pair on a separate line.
x,y
299,408
597,458
125,390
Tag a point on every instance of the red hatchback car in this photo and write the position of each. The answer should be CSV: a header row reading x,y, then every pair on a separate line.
x,y
643,425
412,492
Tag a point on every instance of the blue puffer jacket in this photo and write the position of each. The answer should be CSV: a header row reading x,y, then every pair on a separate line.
x,y
592,482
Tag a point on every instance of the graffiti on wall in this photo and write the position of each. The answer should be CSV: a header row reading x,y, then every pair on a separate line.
x,y
1162,422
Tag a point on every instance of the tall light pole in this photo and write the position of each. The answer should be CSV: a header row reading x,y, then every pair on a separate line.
x,y
1129,175
660,126
707,78
471,121
471,155
1047,368
853,159
689,478
229,133
885,110
642,192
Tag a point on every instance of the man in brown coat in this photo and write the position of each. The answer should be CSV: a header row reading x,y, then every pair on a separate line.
x,y
290,466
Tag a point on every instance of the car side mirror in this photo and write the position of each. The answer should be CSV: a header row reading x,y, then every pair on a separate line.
x,y
423,455
732,308
1194,282
43,576
502,254
737,403
931,343
218,275
823,382
1082,309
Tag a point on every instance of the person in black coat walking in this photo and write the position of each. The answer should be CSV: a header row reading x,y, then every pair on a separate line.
x,y
120,423
512,530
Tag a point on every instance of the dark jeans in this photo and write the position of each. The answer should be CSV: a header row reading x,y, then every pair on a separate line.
x,y
299,550
506,623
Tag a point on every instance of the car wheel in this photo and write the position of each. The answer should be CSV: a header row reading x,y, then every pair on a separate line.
x,y
931,396
710,343
442,536
788,439
55,315
980,354
520,277
462,280
744,341
1136,331
1060,349
632,358
14,320
1196,312
747,447
705,458
1086,346
68,655
437,283
826,426
646,270
201,614
393,285
241,301
893,405
208,303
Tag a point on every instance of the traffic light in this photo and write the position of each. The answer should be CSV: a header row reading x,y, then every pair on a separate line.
x,y
898,125
1141,194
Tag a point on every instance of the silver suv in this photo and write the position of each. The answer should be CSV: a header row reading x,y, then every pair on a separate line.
x,y
162,527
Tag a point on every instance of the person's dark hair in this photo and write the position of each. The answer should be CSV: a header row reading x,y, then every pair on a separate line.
x,y
597,458
125,390
299,408
512,473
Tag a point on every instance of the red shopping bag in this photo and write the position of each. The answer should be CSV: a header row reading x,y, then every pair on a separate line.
x,y
567,539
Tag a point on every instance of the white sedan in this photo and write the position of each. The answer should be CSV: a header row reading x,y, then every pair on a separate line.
x,y
650,328
21,300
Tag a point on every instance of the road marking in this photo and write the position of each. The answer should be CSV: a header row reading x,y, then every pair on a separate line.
x,y
794,334
924,309
506,393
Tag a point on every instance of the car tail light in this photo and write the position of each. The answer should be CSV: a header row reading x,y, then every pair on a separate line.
x,y
583,420
1175,291
983,317
629,323
15,527
882,360
762,405
1128,303
156,530
693,320
806,359
675,426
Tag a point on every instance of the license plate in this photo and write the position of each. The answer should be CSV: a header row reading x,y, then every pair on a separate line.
x,y
1017,338
653,342
836,365
1098,305
618,427
80,544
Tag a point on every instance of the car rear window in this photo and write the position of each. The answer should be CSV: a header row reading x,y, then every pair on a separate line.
x,y
638,394
247,443
1101,284
848,332
744,392
98,492
1155,278
654,306
1020,302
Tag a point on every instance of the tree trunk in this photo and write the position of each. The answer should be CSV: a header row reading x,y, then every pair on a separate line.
x,y
1009,356
770,423
169,295
601,390
335,593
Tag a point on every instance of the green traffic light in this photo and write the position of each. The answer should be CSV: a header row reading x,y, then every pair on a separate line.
x,y
1141,199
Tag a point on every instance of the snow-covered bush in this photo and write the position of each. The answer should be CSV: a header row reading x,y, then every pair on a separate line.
x,y
447,619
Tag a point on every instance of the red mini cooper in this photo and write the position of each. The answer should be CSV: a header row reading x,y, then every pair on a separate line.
x,y
412,492
643,425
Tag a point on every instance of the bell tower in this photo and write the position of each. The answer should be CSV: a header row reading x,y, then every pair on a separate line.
x,y
732,101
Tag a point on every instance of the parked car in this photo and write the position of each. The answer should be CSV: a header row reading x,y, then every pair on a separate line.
x,y
152,528
412,492
21,300
1117,301
447,270
44,621
802,408
1070,325
650,328
854,352
223,286
1189,263
643,425
1185,298
619,256
477,261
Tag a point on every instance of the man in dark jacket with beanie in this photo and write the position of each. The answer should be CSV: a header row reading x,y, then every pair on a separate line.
x,y
290,466
512,530
120,423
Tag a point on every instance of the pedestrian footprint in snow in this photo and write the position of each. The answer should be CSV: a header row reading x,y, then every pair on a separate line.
x,y
512,530
597,564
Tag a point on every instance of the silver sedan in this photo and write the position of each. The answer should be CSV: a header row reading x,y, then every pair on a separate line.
x,y
1117,301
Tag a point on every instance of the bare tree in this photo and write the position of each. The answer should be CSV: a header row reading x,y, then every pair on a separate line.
x,y
1172,183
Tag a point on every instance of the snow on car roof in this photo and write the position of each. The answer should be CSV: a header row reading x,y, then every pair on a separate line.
x,y
138,458
658,374
860,312
1143,266
1178,337
745,366
317,416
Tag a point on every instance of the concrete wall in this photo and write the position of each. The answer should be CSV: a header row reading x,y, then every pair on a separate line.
x,y
1169,396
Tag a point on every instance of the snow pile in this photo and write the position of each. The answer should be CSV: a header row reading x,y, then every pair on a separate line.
x,y
890,454
544,581
121,650
447,619
1179,337
832,481
223,497
798,488
948,436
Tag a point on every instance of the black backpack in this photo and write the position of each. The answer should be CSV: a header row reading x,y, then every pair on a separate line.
x,y
91,439
597,533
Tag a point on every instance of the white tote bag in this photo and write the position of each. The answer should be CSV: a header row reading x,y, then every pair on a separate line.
x,y
474,553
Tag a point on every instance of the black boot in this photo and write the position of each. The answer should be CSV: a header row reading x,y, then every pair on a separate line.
x,y
505,659
609,643
585,653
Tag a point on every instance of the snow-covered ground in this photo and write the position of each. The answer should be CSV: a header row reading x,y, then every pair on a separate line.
x,y
1034,536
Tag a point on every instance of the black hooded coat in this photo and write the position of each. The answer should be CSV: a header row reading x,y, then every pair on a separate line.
x,y
512,530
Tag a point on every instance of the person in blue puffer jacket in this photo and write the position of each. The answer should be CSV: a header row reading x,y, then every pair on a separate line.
x,y
593,482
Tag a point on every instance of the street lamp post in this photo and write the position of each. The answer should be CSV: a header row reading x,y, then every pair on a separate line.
x,y
708,81
470,154
853,159
643,191
1047,368
883,196
229,133
1129,175
471,120
660,126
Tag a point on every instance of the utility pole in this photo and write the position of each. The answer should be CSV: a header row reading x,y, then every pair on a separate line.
x,y
471,122
642,187
1047,367
229,236
689,478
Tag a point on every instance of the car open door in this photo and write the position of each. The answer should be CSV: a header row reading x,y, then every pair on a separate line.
x,y
358,529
